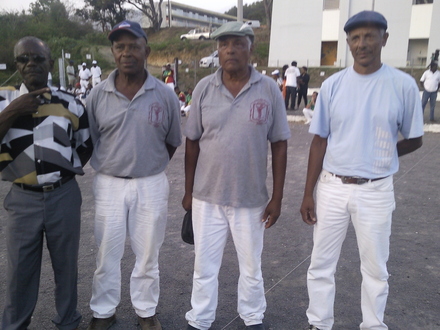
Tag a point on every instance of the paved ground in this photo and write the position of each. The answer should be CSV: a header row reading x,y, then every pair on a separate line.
x,y
414,301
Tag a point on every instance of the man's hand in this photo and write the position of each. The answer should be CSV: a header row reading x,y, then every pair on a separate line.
x,y
308,210
187,202
27,104
271,213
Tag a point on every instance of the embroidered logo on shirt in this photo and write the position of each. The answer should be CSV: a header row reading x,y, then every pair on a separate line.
x,y
155,117
259,111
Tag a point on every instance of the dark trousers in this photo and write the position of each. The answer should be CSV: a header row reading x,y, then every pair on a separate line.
x,y
290,93
31,216
302,95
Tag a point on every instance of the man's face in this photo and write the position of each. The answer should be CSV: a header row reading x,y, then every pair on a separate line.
x,y
366,46
234,53
434,67
33,63
130,53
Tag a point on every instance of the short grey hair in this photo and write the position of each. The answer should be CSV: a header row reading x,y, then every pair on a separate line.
x,y
35,40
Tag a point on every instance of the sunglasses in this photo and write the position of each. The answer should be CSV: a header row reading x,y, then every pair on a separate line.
x,y
26,58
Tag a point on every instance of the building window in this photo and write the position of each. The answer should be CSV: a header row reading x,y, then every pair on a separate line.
x,y
331,4
329,51
422,2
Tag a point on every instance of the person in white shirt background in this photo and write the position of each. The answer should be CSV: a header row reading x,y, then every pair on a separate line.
x,y
96,73
430,81
84,76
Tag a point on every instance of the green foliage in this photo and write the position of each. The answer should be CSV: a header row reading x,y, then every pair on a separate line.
x,y
49,21
254,11
106,13
261,50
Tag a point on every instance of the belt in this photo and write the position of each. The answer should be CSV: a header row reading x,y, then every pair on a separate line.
x,y
45,187
124,177
355,179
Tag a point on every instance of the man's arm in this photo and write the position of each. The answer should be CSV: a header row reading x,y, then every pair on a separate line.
x,y
279,163
407,146
314,168
23,105
192,150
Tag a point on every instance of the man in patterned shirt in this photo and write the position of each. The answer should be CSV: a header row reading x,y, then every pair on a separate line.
x,y
45,141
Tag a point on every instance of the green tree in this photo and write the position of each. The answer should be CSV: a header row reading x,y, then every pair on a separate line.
x,y
259,10
106,13
151,10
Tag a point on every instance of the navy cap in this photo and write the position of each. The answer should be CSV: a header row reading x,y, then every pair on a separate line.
x,y
366,17
129,26
233,28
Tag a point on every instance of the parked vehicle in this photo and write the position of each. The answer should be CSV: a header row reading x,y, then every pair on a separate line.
x,y
210,61
195,34
253,23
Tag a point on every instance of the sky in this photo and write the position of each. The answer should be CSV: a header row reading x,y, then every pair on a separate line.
x,y
215,5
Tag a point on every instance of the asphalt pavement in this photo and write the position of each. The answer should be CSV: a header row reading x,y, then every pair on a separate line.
x,y
414,265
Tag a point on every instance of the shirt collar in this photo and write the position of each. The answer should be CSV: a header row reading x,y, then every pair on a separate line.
x,y
254,78
149,83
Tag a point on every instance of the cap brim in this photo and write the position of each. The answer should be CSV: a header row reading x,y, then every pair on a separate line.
x,y
114,33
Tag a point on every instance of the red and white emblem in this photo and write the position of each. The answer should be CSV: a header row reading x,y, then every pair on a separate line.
x,y
259,111
155,117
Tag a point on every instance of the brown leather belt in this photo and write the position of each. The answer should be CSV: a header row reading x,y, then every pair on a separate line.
x,y
45,187
355,179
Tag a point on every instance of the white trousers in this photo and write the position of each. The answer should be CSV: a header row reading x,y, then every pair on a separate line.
x,y
95,81
211,224
137,207
370,207
84,84
308,113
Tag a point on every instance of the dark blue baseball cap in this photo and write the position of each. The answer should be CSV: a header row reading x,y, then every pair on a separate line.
x,y
366,17
129,26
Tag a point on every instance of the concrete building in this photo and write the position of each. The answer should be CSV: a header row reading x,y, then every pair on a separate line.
x,y
179,15
311,32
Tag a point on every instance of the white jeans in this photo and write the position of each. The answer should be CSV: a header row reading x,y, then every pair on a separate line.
x,y
137,207
211,224
96,81
308,113
370,207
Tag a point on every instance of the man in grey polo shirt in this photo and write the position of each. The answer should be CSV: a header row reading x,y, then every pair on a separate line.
x,y
135,128
234,112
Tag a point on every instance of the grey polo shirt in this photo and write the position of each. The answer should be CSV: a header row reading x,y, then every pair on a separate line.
x,y
233,135
130,137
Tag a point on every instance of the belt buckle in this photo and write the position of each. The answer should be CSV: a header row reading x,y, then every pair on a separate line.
x,y
48,188
353,180
361,180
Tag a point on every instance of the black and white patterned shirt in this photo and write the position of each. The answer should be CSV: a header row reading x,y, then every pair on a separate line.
x,y
44,147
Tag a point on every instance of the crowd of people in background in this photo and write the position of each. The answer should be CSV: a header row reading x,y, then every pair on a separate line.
x,y
81,81
293,82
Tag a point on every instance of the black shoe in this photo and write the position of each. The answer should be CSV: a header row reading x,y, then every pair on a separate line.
x,y
149,323
190,327
102,324
256,326
312,327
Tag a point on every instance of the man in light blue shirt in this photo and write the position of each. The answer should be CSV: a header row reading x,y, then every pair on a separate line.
x,y
359,113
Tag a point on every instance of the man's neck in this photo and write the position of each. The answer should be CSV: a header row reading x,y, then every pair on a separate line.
x,y
367,69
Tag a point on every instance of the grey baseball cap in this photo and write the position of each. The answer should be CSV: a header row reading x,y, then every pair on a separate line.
x,y
366,17
239,29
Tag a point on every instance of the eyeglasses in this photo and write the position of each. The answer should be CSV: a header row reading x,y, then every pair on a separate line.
x,y
26,58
